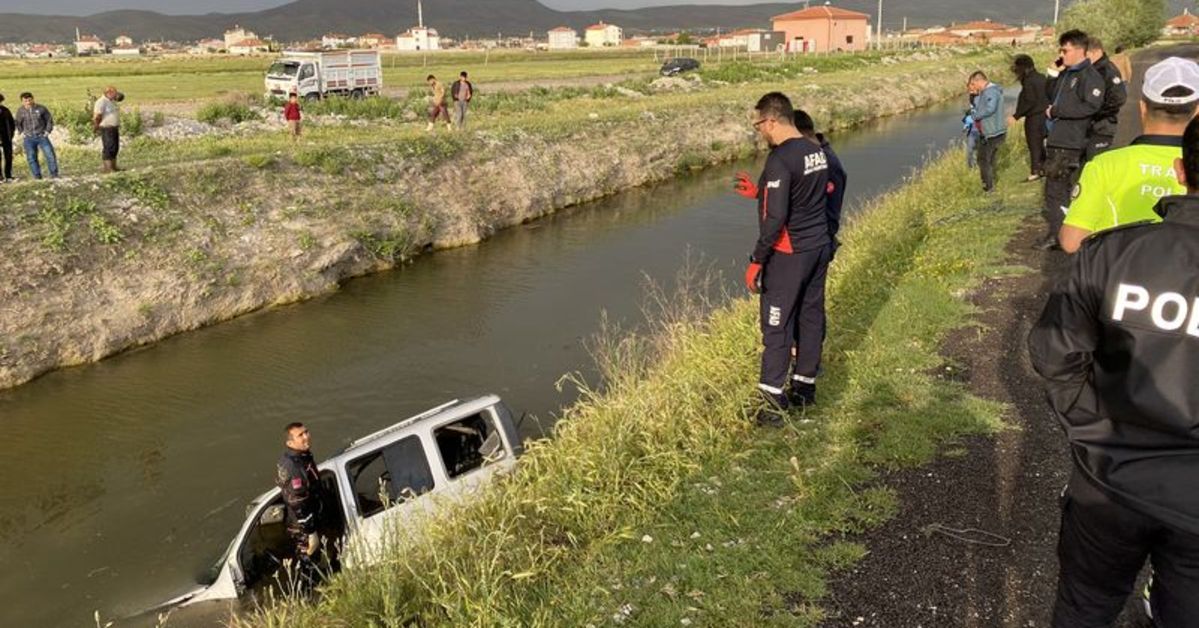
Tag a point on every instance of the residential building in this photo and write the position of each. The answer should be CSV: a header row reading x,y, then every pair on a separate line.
x,y
1185,25
942,38
89,45
603,35
563,38
207,47
373,40
123,40
979,29
128,50
337,40
824,29
418,38
248,47
236,35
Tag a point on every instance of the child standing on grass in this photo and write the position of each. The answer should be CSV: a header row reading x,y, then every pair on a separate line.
x,y
291,113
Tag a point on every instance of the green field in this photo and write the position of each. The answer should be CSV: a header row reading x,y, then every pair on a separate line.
x,y
171,79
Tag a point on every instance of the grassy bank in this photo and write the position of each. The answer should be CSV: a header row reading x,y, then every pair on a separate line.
x,y
656,503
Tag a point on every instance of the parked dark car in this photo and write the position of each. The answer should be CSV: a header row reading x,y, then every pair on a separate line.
x,y
678,66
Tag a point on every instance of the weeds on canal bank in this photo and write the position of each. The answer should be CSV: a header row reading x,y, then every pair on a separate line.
x,y
657,502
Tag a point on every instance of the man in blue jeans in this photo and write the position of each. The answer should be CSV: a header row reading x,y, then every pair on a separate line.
x,y
35,124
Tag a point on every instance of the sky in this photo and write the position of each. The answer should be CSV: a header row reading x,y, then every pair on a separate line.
x,y
188,7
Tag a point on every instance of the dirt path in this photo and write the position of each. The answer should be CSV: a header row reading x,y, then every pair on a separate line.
x,y
1006,486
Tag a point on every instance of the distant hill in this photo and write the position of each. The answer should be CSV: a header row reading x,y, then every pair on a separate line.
x,y
306,19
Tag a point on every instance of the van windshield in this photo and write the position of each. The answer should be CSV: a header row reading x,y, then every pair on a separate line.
x,y
283,68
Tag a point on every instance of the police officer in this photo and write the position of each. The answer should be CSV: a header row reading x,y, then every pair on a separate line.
x,y
297,477
789,264
1115,94
1118,346
1075,96
1122,186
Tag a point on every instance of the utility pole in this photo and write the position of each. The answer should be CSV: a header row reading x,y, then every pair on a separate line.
x,y
420,14
879,44
1057,11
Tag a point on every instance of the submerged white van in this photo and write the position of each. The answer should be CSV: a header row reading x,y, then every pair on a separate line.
x,y
382,483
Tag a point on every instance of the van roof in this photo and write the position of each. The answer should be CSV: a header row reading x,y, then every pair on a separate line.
x,y
482,402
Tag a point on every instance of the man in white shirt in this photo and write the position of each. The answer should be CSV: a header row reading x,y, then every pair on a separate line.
x,y
106,121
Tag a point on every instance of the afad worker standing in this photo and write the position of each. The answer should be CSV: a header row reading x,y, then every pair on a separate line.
x,y
1075,96
790,261
1118,346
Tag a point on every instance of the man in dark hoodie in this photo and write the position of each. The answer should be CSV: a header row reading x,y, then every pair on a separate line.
x,y
8,129
1115,94
1075,95
1031,107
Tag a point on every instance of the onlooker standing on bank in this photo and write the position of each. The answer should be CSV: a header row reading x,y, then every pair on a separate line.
x,y
8,128
1030,107
437,108
1117,348
462,92
292,115
992,125
971,130
1075,96
35,125
1122,186
1115,94
106,120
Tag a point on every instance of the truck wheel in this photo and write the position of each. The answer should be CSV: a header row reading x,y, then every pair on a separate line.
x,y
357,94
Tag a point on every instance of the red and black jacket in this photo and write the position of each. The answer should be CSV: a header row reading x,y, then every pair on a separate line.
x,y
793,200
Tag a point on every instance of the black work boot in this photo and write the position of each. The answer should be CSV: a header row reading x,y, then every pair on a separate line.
x,y
801,394
773,412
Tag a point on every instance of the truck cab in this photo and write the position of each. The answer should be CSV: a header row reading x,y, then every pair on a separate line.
x,y
378,491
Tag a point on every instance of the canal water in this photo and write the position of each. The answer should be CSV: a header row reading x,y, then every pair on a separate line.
x,y
125,479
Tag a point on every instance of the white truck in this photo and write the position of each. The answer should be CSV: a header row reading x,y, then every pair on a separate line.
x,y
315,75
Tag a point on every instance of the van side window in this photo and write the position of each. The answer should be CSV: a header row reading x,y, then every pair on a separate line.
x,y
469,443
390,476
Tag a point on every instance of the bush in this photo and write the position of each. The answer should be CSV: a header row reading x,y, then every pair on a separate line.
x,y
132,124
77,121
372,108
234,112
1127,23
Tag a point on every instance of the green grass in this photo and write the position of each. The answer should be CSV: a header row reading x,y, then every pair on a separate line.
x,y
657,501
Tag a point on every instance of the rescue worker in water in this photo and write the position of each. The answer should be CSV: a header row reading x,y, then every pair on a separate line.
x,y
298,479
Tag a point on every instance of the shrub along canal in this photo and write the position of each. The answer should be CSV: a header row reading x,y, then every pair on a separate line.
x,y
128,477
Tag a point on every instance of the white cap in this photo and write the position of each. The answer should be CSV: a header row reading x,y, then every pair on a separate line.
x,y
1168,74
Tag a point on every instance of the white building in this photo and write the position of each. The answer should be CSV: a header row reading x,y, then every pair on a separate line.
x,y
88,45
236,36
126,51
207,47
603,35
563,38
123,40
337,40
419,38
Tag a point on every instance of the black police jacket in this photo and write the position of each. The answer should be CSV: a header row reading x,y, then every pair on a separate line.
x,y
297,477
792,200
1118,346
1115,94
1076,97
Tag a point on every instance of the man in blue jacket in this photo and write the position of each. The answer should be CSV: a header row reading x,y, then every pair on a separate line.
x,y
992,125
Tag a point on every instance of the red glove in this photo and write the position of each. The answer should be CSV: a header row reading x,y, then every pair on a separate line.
x,y
753,278
745,187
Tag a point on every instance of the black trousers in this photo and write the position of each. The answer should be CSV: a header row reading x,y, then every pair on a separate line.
x,y
1034,136
988,156
110,142
1096,145
792,315
1063,166
1103,546
6,148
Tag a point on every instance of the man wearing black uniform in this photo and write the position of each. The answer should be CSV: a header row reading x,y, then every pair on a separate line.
x,y
1075,97
1118,346
1115,94
790,260
8,129
297,477
837,177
